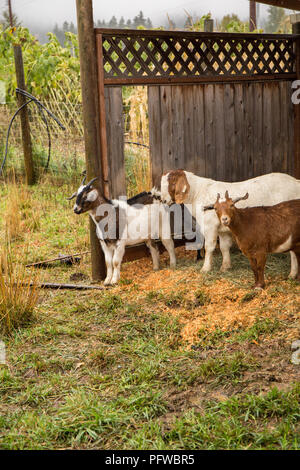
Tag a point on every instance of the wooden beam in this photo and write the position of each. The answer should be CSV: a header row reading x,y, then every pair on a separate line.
x,y
252,15
150,33
25,125
290,4
296,30
91,118
172,80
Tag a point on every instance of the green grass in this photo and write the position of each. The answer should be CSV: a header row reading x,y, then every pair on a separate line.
x,y
110,370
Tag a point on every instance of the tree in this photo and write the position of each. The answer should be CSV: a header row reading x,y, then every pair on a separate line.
x,y
72,28
113,23
5,20
139,20
275,20
66,26
227,19
60,34
129,24
122,22
149,24
101,24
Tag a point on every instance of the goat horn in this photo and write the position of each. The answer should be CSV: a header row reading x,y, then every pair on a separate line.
x,y
207,208
91,182
72,197
240,198
83,181
226,194
211,206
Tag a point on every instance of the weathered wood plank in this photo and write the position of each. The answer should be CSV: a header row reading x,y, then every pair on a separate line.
x,y
278,109
296,127
178,127
284,122
189,137
115,141
210,148
267,128
239,131
155,135
249,127
293,134
219,122
199,131
230,135
166,128
258,165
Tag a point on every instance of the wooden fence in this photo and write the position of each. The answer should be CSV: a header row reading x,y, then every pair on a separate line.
x,y
219,104
228,132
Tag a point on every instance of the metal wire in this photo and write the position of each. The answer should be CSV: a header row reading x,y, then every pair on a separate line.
x,y
42,110
137,143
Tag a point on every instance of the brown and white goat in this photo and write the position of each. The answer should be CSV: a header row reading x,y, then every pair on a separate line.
x,y
122,216
261,230
181,186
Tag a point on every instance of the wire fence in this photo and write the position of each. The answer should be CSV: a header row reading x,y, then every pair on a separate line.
x,y
67,147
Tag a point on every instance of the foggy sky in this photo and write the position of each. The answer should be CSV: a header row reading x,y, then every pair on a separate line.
x,y
49,12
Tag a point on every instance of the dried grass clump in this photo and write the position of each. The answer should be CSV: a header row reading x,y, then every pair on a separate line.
x,y
137,157
18,294
21,213
137,116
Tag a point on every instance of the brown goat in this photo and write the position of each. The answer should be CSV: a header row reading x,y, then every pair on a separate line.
x,y
262,230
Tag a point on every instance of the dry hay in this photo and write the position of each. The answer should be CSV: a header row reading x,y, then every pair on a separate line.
x,y
227,310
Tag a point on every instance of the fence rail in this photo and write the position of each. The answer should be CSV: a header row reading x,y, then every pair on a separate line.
x,y
143,57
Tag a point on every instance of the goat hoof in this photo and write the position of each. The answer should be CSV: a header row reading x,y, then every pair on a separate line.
x,y
205,270
292,276
223,269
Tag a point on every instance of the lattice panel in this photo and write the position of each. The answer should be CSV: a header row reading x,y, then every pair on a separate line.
x,y
128,55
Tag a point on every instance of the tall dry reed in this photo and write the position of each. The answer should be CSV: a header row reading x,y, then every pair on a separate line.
x,y
18,293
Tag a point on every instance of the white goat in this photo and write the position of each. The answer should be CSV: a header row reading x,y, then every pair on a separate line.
x,y
128,224
183,187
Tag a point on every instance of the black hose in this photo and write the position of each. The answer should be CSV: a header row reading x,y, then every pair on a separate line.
x,y
42,110
137,143
8,131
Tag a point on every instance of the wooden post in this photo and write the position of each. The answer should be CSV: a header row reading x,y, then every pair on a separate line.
x,y
25,126
208,25
296,30
91,118
252,16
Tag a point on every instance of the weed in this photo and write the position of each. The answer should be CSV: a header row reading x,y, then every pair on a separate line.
x,y
249,296
18,294
261,327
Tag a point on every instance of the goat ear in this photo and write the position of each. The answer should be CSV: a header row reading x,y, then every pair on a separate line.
x,y
182,190
92,195
72,197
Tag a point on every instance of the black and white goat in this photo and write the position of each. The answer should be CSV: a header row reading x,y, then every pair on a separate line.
x,y
120,223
